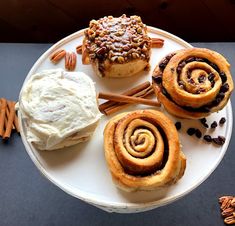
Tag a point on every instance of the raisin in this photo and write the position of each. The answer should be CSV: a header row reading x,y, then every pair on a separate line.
x,y
206,109
191,81
198,133
221,96
220,140
198,59
157,79
224,88
163,64
222,121
178,125
214,125
223,76
181,84
203,121
183,63
201,78
168,57
205,125
191,131
179,69
214,66
216,101
216,141
180,66
211,77
212,83
207,138
190,59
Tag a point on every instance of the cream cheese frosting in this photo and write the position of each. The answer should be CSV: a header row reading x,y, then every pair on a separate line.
x,y
59,108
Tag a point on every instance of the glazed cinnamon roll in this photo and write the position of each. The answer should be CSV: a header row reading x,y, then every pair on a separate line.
x,y
142,150
193,83
117,46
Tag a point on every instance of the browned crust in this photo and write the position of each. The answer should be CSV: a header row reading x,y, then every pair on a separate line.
x,y
174,168
169,81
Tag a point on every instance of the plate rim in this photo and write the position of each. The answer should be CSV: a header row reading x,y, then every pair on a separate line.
x,y
87,197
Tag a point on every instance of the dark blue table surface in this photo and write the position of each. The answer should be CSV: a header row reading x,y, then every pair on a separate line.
x,y
27,198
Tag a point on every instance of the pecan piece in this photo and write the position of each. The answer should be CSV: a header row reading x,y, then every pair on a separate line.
x,y
222,198
233,202
70,61
79,49
227,212
229,220
57,56
157,42
226,203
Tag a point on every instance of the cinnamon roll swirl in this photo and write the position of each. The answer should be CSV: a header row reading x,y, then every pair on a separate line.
x,y
142,150
193,83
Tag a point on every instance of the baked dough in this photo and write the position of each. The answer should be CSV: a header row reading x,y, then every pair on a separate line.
x,y
117,46
59,108
193,83
142,150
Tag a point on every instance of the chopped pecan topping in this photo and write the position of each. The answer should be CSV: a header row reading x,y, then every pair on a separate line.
x,y
119,40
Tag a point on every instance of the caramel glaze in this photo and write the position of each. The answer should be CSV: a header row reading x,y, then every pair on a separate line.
x,y
118,40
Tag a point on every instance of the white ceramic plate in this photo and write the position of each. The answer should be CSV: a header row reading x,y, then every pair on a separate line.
x,y
81,170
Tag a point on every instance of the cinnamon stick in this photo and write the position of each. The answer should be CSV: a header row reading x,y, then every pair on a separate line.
x,y
10,120
16,123
120,106
2,115
128,99
130,92
8,113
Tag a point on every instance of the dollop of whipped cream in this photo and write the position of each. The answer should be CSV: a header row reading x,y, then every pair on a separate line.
x,y
59,108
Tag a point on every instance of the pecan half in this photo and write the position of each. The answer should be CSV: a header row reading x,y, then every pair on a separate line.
x,y
57,56
233,202
226,203
222,198
157,42
229,220
228,212
70,61
228,209
79,49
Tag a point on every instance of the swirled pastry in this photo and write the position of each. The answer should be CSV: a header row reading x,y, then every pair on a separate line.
x,y
117,46
193,83
142,150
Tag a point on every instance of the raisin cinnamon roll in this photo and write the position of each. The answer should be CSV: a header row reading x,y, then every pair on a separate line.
x,y
142,150
193,83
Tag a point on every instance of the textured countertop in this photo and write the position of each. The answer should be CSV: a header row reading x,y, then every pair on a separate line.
x,y
27,198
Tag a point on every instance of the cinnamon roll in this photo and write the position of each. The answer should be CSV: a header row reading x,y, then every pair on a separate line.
x,y
117,46
193,83
142,150
59,108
